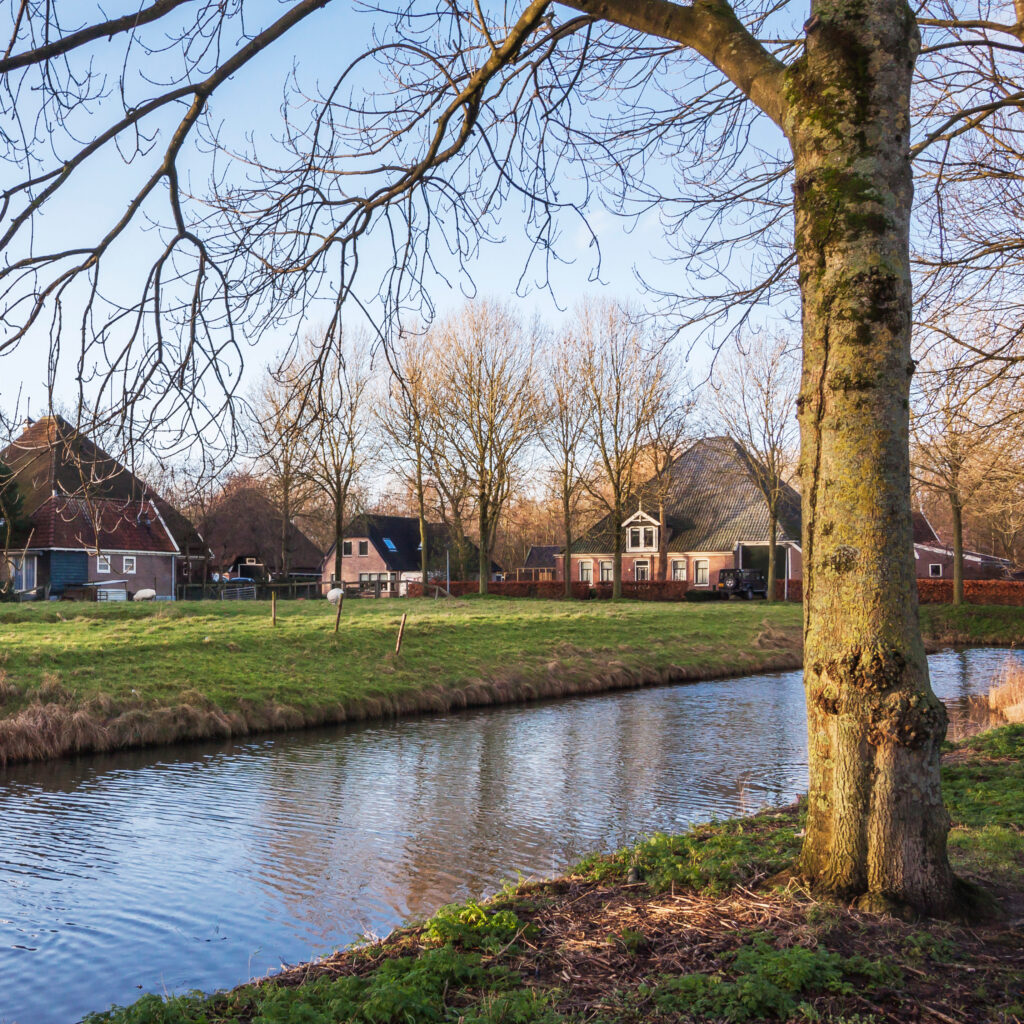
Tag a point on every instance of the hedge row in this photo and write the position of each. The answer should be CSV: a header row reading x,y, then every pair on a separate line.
x,y
975,592
1008,592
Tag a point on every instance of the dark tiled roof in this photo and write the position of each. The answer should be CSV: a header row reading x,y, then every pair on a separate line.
x,y
923,532
712,503
52,457
100,524
542,556
404,534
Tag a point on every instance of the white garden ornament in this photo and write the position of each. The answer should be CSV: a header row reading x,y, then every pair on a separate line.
x,y
335,595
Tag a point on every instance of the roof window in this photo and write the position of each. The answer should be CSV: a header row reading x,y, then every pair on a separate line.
x,y
390,544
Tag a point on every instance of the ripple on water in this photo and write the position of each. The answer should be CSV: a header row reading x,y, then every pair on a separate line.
x,y
204,865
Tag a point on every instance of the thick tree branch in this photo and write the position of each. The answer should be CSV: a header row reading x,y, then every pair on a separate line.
x,y
712,29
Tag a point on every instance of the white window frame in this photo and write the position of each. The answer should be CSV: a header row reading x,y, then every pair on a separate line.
x,y
641,530
646,578
102,565
363,544
932,574
586,571
608,566
679,570
346,549
126,561
700,564
19,564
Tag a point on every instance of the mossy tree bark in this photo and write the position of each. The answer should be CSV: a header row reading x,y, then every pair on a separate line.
x,y
876,823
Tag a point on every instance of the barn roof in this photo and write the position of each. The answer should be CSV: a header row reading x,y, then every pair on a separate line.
x,y
100,524
712,503
53,458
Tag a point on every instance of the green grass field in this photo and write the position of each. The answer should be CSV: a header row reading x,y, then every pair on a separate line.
x,y
230,653
102,662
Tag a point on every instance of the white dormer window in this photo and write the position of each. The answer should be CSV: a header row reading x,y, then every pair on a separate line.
x,y
641,532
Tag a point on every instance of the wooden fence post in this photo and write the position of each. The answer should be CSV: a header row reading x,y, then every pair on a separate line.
x,y
337,617
273,607
401,630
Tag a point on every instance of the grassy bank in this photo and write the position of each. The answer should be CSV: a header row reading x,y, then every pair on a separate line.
x,y
699,927
100,677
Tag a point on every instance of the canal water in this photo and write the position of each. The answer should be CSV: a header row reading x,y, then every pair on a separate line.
x,y
203,865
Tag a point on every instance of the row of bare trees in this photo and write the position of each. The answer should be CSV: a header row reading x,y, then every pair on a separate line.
x,y
481,409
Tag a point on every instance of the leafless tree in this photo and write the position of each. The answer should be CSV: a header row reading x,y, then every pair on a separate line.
x,y
669,431
753,394
774,134
279,422
967,423
566,412
339,439
621,371
487,407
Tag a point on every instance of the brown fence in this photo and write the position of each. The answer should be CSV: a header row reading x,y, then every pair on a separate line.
x,y
653,590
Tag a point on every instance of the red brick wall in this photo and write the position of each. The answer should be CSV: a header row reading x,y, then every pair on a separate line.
x,y
352,565
152,572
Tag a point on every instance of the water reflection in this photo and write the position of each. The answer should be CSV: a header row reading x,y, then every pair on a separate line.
x,y
200,866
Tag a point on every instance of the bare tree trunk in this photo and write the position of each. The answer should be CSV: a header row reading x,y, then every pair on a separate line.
x,y
876,825
662,543
617,563
485,554
421,512
958,547
773,536
567,561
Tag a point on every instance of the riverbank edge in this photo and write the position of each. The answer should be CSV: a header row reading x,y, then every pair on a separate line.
x,y
709,924
48,730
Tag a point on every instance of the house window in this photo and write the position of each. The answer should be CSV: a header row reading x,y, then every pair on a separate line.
x,y
250,561
587,572
700,572
364,547
346,547
679,568
24,572
642,538
128,565
607,573
103,563
641,571
390,544
935,569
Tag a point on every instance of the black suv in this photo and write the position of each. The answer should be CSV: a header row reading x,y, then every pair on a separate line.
x,y
743,582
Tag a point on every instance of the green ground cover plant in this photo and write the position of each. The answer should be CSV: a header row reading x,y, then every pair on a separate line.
x,y
77,677
711,931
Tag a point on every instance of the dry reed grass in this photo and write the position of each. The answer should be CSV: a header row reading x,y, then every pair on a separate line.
x,y
1007,693
55,724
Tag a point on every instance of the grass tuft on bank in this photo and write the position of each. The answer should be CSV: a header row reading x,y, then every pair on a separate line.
x,y
95,677
706,932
